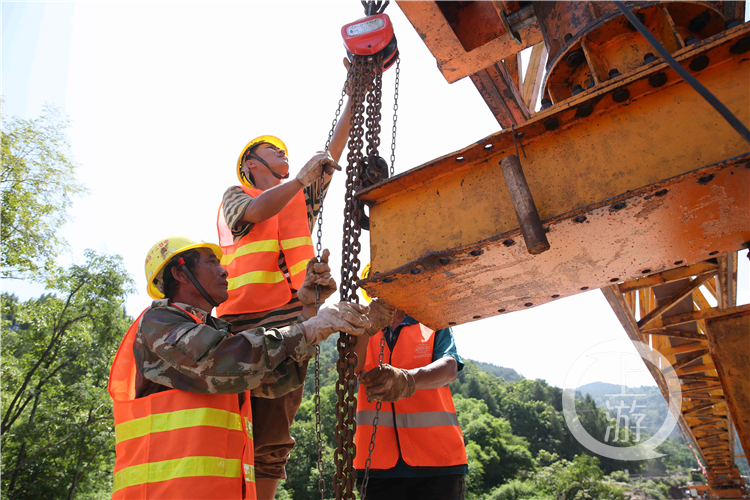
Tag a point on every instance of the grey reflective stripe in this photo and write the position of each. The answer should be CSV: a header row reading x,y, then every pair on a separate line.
x,y
365,417
408,420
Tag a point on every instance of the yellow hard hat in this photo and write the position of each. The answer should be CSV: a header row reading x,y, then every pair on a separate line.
x,y
162,252
270,139
365,275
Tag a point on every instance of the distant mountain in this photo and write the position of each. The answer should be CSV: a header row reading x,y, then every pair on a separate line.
x,y
647,399
507,374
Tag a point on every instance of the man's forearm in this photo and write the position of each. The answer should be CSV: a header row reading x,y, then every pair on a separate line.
x,y
435,375
341,134
271,201
361,349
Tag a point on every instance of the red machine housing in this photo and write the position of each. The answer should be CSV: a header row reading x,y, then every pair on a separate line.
x,y
369,36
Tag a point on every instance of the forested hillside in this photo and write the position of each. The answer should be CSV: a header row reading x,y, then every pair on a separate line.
x,y
517,442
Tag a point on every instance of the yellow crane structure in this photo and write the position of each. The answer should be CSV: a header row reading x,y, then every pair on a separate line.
x,y
626,180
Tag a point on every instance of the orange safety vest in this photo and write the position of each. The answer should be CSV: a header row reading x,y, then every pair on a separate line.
x,y
424,428
177,444
256,282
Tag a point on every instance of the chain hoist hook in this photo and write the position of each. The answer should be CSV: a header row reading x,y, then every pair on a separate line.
x,y
374,7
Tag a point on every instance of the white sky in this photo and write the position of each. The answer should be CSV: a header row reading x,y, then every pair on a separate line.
x,y
163,96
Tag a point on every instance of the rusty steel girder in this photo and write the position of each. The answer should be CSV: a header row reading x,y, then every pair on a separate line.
x,y
729,341
625,189
608,46
467,37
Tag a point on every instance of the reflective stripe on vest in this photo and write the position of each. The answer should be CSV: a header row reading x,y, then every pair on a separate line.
x,y
177,444
256,283
426,423
178,468
408,420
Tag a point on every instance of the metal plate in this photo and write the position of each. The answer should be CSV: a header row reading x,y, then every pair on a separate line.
x,y
688,219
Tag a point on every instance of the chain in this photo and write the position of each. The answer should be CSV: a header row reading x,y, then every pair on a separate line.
x,y
395,117
319,251
347,382
374,104
375,422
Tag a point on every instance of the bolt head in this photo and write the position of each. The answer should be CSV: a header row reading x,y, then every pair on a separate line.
x,y
699,63
621,95
657,80
741,46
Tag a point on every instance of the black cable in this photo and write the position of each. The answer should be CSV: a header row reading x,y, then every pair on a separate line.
x,y
682,72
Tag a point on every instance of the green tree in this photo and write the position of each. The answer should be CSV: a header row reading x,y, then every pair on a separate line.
x,y
494,453
56,432
579,479
38,185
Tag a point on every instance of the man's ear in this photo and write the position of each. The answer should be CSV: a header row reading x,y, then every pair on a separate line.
x,y
250,164
179,275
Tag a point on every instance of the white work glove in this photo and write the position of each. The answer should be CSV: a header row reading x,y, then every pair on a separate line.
x,y
344,317
317,273
314,168
380,316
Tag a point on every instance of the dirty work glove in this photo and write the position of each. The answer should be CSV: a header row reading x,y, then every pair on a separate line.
x,y
344,317
317,273
314,168
381,315
388,383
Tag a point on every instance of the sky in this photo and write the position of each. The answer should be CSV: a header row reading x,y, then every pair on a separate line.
x,y
163,96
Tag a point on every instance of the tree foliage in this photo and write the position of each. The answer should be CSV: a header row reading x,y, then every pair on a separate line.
x,y
57,433
38,185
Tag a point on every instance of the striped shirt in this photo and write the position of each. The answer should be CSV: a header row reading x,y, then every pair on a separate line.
x,y
235,203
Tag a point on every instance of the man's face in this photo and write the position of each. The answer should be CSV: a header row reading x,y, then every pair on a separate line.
x,y
212,276
275,157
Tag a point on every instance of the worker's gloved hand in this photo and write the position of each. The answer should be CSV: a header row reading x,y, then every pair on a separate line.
x,y
388,383
344,317
314,168
317,273
381,315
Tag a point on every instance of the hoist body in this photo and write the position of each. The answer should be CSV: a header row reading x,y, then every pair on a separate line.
x,y
370,36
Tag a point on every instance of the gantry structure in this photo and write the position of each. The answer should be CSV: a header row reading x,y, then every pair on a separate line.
x,y
626,180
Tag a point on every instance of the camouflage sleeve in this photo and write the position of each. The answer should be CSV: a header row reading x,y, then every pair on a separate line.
x,y
286,377
198,358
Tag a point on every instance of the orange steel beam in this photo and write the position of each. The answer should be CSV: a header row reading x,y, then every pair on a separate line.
x,y
465,37
707,411
729,340
630,190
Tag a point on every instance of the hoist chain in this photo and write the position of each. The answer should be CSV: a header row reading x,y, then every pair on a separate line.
x,y
362,85
375,421
319,251
395,117
374,105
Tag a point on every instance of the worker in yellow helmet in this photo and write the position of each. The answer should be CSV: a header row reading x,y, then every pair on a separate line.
x,y
264,225
182,382
417,409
